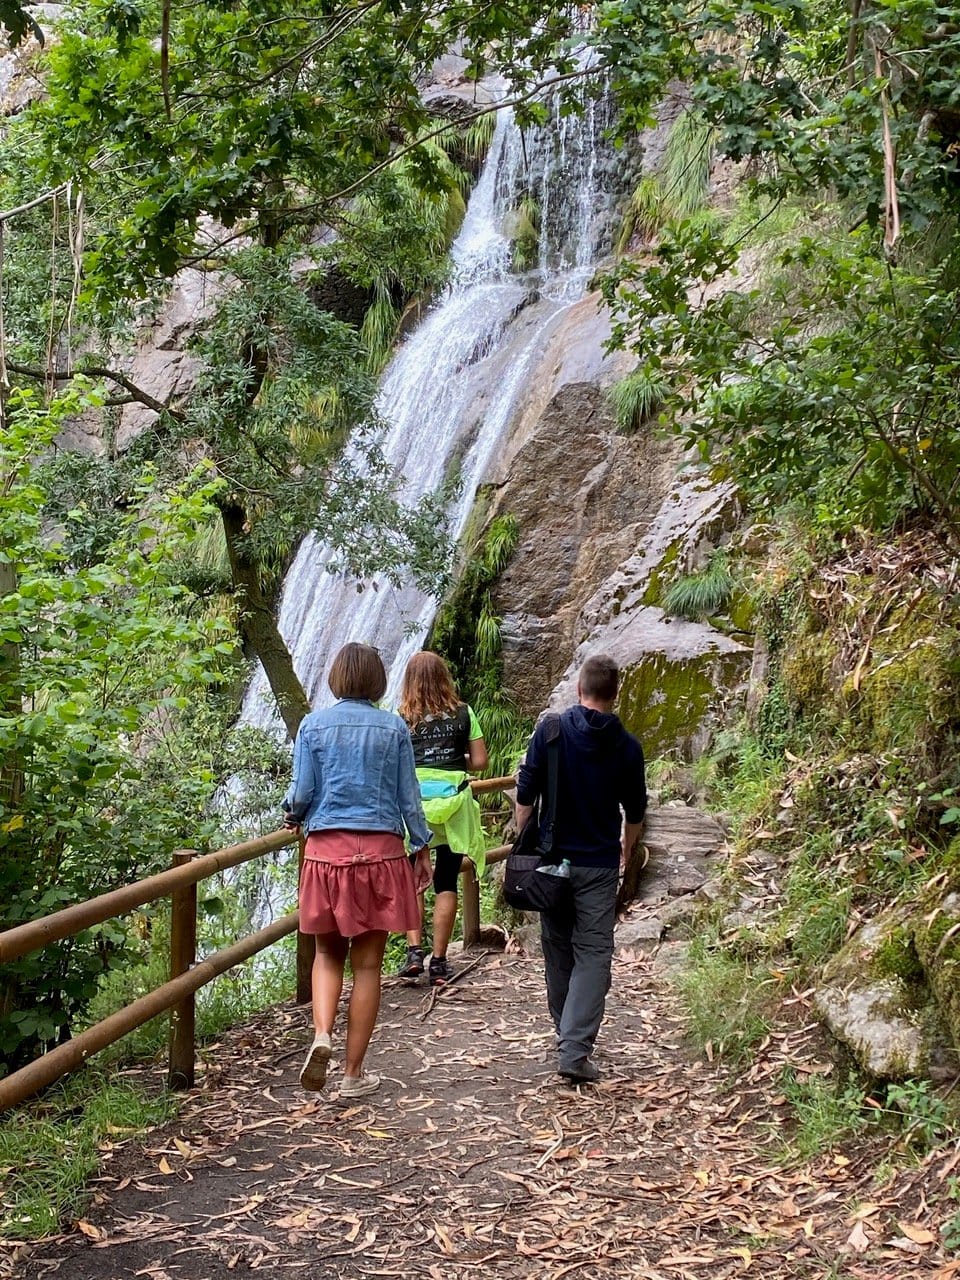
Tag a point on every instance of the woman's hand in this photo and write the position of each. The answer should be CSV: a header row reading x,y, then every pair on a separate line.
x,y
422,869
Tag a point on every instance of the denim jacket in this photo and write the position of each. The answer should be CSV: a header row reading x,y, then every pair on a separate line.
x,y
353,771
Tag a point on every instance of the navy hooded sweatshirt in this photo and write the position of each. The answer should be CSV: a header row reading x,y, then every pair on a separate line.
x,y
599,772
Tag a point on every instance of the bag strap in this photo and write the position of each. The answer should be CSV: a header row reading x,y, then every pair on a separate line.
x,y
551,724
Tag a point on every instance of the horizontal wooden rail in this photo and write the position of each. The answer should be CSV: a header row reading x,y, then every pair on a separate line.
x,y
61,924
67,1057
177,994
481,785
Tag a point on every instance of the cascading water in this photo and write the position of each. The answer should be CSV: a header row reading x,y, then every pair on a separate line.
x,y
446,398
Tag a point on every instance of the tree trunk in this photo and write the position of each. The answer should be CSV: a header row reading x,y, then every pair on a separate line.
x,y
258,627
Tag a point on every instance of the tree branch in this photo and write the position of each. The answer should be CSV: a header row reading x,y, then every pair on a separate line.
x,y
97,371
481,111
52,194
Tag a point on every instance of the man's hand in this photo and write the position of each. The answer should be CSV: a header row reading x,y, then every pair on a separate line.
x,y
422,869
292,823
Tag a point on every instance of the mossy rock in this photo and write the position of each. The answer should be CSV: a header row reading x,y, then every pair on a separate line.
x,y
661,573
875,998
805,669
670,703
910,685
936,936
742,611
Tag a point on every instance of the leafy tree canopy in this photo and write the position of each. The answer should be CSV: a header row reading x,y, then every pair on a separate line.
x,y
835,374
268,148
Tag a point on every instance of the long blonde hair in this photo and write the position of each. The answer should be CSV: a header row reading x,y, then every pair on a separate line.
x,y
428,688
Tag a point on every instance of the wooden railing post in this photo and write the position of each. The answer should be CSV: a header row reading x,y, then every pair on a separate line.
x,y
306,948
183,955
471,904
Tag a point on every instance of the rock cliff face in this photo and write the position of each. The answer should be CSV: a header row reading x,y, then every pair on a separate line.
x,y
605,520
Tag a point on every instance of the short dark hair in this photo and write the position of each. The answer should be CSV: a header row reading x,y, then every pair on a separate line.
x,y
600,678
357,672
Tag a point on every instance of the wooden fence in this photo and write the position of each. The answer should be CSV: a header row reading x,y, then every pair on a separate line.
x,y
179,883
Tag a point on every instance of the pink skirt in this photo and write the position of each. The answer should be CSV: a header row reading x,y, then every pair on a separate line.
x,y
355,882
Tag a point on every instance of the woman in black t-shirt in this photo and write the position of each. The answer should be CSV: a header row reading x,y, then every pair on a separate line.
x,y
446,736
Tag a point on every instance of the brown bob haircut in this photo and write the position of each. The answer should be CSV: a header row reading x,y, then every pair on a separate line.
x,y
357,672
599,678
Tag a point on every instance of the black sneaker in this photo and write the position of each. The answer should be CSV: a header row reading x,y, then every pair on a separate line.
x,y
585,1071
440,971
412,967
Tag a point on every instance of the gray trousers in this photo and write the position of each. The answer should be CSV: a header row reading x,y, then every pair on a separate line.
x,y
577,951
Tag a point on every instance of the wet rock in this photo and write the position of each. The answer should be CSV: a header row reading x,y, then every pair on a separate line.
x,y
21,79
577,488
159,365
677,674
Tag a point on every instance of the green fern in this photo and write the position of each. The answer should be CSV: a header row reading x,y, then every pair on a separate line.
x,y
636,399
698,595
487,633
467,632
478,135
500,544
679,190
522,228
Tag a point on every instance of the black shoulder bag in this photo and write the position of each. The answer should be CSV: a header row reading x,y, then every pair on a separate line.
x,y
525,886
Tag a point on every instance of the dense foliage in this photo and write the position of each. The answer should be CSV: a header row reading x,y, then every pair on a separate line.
x,y
105,749
828,378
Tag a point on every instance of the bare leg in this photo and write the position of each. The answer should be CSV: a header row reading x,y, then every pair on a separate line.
x,y
415,936
366,961
327,979
444,918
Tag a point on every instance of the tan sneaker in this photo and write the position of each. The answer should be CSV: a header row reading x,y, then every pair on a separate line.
x,y
314,1072
358,1086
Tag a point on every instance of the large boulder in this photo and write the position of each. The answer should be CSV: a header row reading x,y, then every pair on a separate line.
x,y
677,674
875,997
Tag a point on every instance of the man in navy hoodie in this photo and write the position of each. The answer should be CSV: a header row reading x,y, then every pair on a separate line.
x,y
600,773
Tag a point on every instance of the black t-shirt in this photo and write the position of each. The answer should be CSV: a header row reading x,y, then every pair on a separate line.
x,y
441,742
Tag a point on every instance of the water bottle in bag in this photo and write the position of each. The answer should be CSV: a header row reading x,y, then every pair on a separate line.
x,y
561,869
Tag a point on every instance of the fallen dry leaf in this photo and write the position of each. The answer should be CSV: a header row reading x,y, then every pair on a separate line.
x,y
858,1240
919,1235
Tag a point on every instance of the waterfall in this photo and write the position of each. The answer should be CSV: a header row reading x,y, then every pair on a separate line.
x,y
446,397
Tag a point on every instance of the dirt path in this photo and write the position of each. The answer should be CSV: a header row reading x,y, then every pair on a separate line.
x,y
475,1160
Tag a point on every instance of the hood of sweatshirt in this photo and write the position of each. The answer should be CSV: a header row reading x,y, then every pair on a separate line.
x,y
594,730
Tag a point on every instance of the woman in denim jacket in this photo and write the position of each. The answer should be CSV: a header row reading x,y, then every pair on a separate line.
x,y
354,790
